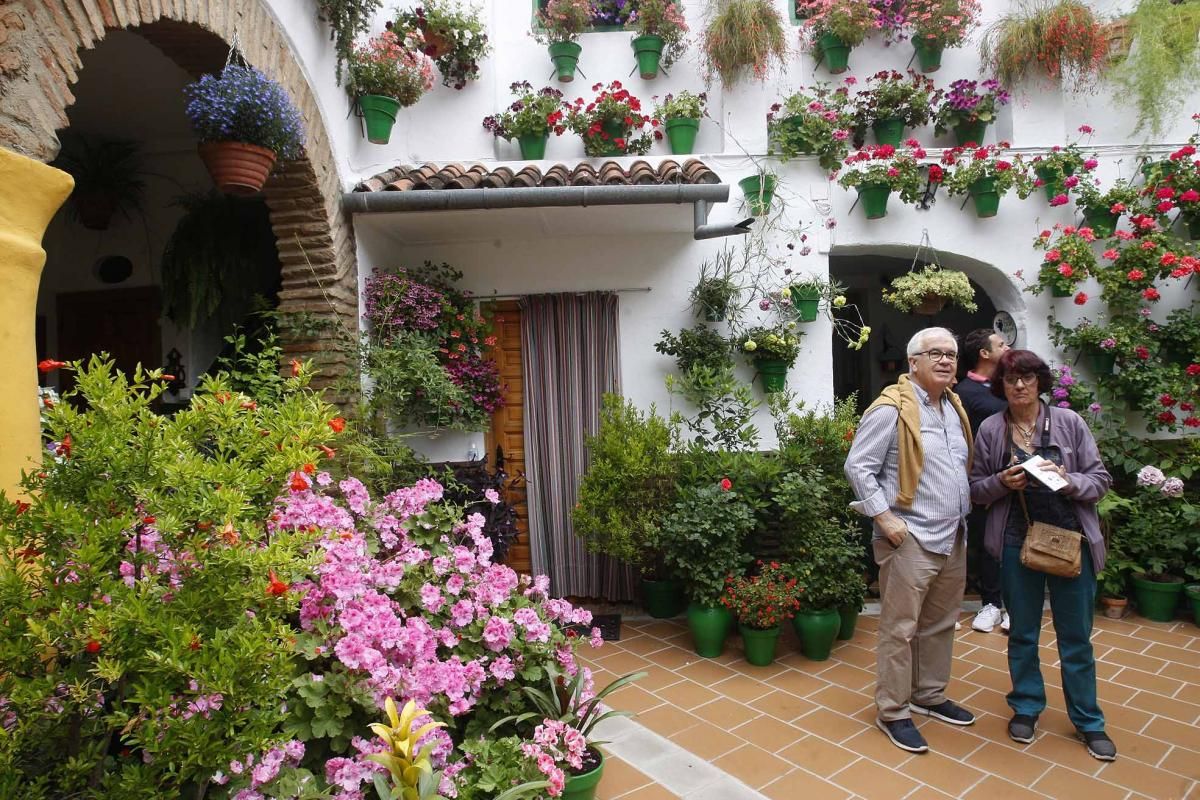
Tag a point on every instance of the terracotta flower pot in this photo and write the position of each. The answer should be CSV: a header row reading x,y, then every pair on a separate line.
x,y
237,168
1114,607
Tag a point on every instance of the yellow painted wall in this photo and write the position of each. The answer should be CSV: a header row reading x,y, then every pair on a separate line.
x,y
30,194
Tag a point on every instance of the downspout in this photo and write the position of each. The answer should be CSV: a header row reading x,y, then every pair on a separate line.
x,y
699,195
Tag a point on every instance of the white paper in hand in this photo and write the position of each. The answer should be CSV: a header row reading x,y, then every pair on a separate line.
x,y
1049,478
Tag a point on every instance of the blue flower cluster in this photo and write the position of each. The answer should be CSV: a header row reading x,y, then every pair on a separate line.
x,y
244,105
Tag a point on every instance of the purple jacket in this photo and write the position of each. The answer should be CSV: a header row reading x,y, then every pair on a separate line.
x,y
1089,479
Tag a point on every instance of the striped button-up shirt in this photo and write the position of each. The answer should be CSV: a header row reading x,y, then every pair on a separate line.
x,y
943,496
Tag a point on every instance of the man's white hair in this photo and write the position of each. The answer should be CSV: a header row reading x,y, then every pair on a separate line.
x,y
917,343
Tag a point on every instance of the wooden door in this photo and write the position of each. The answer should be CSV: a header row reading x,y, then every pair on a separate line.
x,y
121,322
506,438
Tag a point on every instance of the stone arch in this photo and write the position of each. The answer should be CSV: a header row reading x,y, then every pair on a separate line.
x,y
40,45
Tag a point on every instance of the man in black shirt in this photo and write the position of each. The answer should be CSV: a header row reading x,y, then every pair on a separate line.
x,y
981,350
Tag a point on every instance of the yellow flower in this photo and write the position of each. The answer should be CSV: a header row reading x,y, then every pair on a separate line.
x,y
750,346
839,301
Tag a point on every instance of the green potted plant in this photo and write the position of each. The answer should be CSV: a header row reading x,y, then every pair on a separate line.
x,y
772,350
759,191
926,290
661,35
743,34
454,37
967,108
696,347
717,292
680,115
985,174
1185,182
1062,169
760,604
386,74
807,292
612,124
244,121
1057,39
1102,209
1097,342
1069,260
815,121
1128,283
108,178
833,27
703,542
531,118
893,101
559,26
626,493
878,171
935,25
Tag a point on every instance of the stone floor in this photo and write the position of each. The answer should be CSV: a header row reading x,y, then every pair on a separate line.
x,y
805,729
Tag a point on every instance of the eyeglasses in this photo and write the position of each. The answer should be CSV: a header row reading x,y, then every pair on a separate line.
x,y
938,355
1022,380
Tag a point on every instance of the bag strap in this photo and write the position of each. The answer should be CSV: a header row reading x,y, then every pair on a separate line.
x,y
1045,428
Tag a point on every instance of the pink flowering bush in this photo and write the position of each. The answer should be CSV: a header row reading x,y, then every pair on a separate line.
x,y
391,67
1069,259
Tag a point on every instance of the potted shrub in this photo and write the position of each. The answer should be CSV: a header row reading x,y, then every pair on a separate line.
x,y
772,350
1156,530
759,191
1098,343
807,292
935,25
1102,209
387,73
719,289
1060,39
531,118
680,115
108,178
833,27
816,121
612,124
661,35
825,567
760,604
927,290
244,121
703,541
1062,169
892,102
967,108
878,171
743,34
985,174
558,27
453,37
1068,262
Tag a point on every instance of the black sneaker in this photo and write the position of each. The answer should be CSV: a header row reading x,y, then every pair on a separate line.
x,y
946,711
903,734
1098,745
1021,728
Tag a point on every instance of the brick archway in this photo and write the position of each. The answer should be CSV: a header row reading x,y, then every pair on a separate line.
x,y
40,45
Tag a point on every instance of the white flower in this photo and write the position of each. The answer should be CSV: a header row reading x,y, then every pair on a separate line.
x,y
1150,476
1172,487
839,301
750,346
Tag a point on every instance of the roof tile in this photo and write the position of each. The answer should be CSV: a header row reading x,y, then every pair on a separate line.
x,y
403,178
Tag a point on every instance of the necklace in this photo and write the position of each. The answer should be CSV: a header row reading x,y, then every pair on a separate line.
x,y
1026,433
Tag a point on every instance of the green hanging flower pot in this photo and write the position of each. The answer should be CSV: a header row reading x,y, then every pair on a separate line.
x,y
648,51
565,56
379,114
1102,361
759,191
888,131
533,147
834,52
773,372
929,55
681,135
1102,221
874,197
807,302
986,198
967,132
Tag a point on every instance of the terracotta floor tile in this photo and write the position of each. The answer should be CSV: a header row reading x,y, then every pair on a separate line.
x,y
758,673
1110,692
1147,681
829,725
1172,708
622,663
969,637
1189,693
1178,655
619,777
842,700
687,694
657,678
819,756
782,705
752,765
684,641
673,658
1126,718
874,781
707,741
942,772
796,683
987,700
725,713
1064,752
666,720
633,698
642,645
1129,625
994,788
954,741
1106,671
1131,643
1182,762
1181,672
989,678
768,733
1175,638
851,677
1177,733
801,784
1022,768
652,791
982,656
662,629
1064,784
798,662
1147,780
741,688
850,653
874,745
705,673
926,793
1137,660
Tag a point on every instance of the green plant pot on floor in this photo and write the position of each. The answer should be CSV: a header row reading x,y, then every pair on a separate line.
x,y
710,626
663,599
1193,596
760,644
1157,599
849,619
583,787
565,56
818,630
681,135
648,52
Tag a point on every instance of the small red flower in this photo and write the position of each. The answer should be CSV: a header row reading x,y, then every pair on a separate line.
x,y
250,405
309,468
1167,418
1081,298
1141,352
276,587
726,484
22,506
92,646
64,447
338,424
49,365
1193,370
148,520
1151,294
299,482
1166,400
295,367
328,451
1192,422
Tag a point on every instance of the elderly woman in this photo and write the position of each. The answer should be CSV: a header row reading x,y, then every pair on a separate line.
x,y
1031,427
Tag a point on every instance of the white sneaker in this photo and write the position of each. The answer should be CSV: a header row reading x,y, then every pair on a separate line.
x,y
1004,622
987,618
958,626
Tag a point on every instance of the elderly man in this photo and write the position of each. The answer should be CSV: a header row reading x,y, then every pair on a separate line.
x,y
908,467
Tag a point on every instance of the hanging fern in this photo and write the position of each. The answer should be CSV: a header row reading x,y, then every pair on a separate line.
x,y
1160,71
347,19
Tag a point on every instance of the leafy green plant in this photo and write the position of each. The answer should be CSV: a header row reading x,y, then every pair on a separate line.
x,y
629,486
698,346
347,20
565,699
964,166
779,342
942,23
1155,78
884,165
851,21
764,600
662,18
108,178
892,95
1069,259
911,289
684,105
406,758
562,21
1118,198
704,538
814,121
743,34
724,408
390,66
533,113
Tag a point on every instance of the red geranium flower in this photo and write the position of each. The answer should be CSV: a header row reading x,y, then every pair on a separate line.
x,y
338,424
726,484
1081,298
92,646
49,365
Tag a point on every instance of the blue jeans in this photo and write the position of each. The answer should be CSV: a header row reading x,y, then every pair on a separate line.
x,y
1072,604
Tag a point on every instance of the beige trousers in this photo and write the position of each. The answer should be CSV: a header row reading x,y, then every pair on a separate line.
x,y
920,596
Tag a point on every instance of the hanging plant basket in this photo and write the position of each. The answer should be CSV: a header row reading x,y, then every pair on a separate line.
x,y
95,209
1102,221
874,197
932,304
565,56
759,191
967,132
834,52
888,131
773,372
236,167
681,135
379,114
648,52
986,198
1052,183
929,56
807,303
1101,361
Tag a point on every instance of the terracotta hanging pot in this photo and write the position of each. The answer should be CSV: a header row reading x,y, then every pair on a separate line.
x,y
932,304
237,168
